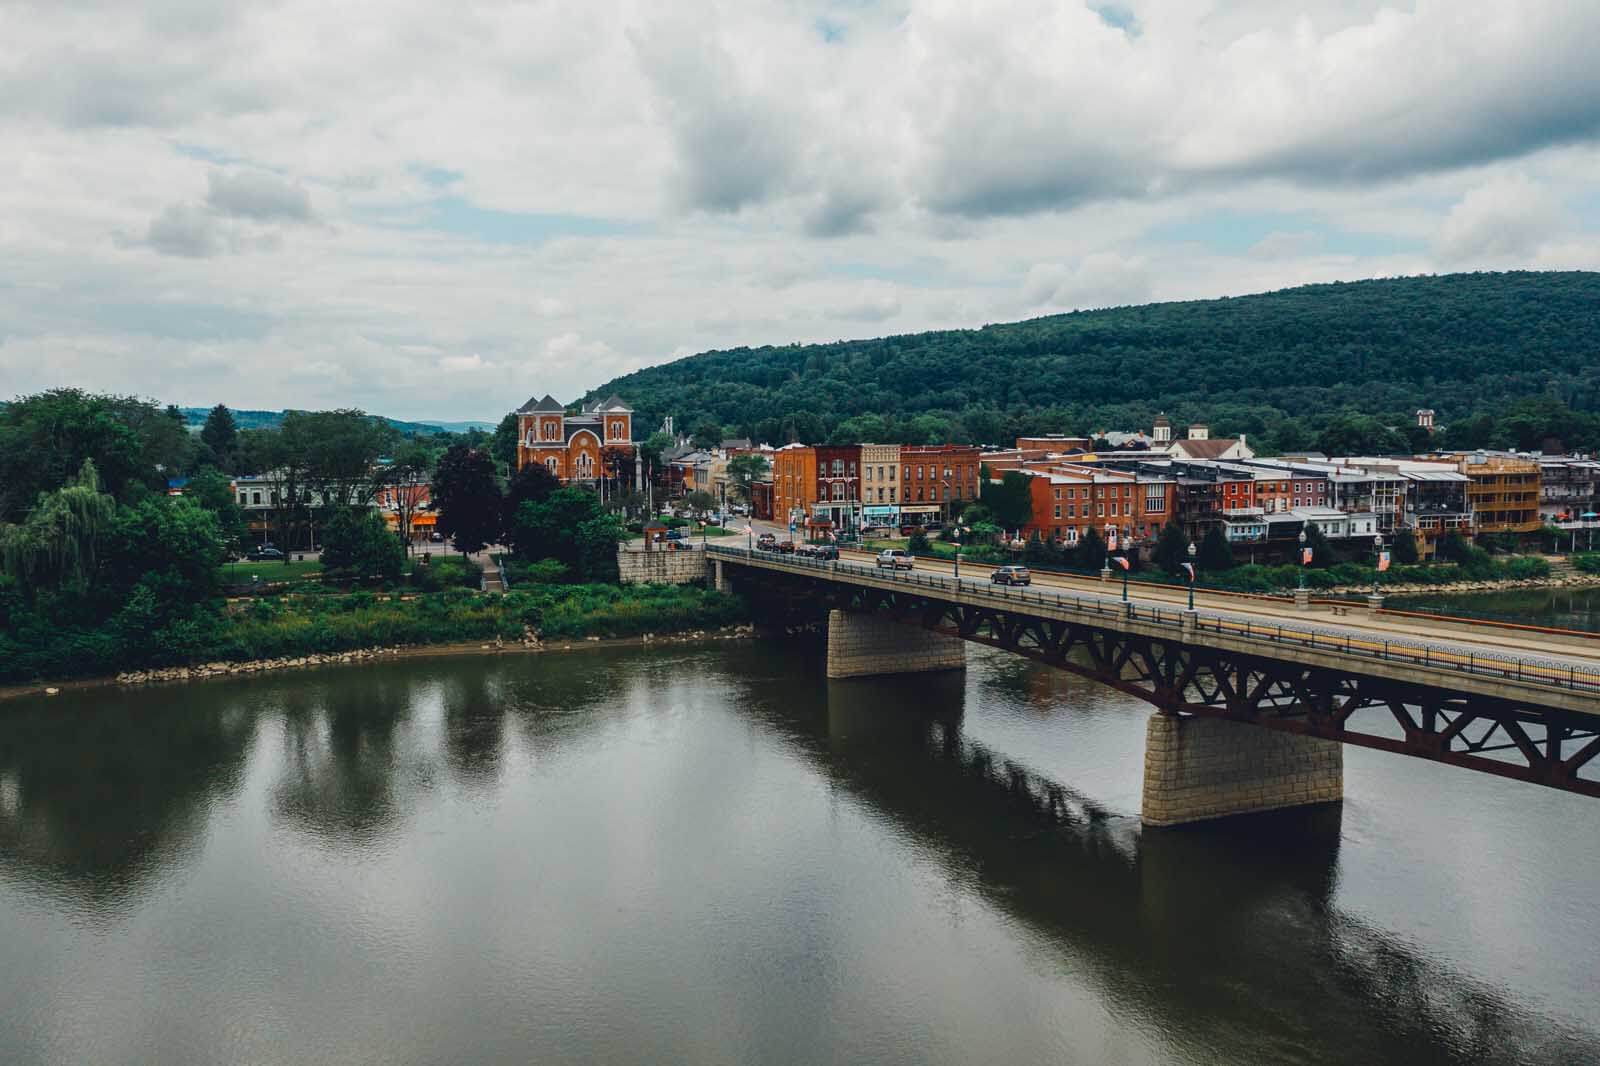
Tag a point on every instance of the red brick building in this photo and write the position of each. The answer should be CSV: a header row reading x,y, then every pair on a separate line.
x,y
581,448
933,478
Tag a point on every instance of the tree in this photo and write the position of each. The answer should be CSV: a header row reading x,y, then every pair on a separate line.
x,y
220,435
707,434
357,541
45,438
1009,500
337,453
572,528
403,487
1404,549
1090,554
1172,548
170,546
1215,551
532,484
214,491
466,495
1453,547
504,445
56,545
1322,554
918,544
743,472
700,502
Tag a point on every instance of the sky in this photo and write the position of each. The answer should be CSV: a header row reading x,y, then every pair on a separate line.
x,y
437,210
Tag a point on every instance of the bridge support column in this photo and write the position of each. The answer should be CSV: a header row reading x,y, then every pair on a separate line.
x,y
1196,769
864,645
719,579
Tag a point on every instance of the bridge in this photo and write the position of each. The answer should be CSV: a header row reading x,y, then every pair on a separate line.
x,y
1253,700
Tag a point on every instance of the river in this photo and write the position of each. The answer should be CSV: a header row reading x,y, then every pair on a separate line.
x,y
712,855
1562,608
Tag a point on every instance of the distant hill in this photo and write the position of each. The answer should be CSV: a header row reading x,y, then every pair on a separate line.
x,y
1463,344
196,416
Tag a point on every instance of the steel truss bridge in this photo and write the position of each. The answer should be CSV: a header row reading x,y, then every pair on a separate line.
x,y
1431,693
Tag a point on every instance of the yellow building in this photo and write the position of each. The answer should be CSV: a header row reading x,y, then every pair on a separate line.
x,y
1503,492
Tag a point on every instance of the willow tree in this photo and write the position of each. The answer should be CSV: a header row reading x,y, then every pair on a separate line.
x,y
54,545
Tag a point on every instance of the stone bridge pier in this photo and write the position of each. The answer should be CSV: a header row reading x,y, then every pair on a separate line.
x,y
1197,768
865,645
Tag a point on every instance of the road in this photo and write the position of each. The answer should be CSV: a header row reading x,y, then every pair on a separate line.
x,y
1425,639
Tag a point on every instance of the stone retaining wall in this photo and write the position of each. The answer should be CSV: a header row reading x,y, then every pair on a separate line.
x,y
864,645
1201,768
661,567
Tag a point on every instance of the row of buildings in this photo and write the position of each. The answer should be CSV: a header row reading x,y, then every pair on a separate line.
x,y
1128,495
1123,485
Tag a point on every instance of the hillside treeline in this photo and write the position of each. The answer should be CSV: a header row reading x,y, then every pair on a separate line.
x,y
1507,360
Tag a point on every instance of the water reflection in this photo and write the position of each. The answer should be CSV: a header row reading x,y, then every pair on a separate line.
x,y
1196,930
95,801
474,726
707,855
341,754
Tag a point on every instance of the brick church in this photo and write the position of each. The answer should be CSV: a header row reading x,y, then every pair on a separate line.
x,y
575,448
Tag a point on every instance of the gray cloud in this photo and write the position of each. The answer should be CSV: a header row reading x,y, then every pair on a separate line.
x,y
186,230
258,196
734,147
749,156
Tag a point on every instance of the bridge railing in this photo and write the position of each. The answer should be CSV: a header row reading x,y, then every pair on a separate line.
x,y
1414,651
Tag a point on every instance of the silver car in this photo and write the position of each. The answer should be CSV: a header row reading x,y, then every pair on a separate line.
x,y
896,559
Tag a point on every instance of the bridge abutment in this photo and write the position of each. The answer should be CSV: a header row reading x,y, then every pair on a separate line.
x,y
864,645
1197,768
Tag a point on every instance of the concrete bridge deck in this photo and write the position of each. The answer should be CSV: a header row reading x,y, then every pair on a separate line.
x,y
1489,660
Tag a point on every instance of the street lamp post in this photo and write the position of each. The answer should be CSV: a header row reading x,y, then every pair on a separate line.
x,y
1193,551
1302,559
1377,559
1127,567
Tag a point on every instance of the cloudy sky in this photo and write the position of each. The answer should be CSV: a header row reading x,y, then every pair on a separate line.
x,y
435,209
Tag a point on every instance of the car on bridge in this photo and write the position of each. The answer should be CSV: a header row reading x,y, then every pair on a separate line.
x,y
826,551
896,559
1011,575
766,542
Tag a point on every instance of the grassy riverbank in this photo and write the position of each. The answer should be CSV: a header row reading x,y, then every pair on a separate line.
x,y
272,627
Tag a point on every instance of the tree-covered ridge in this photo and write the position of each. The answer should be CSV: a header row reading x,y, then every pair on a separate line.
x,y
1281,366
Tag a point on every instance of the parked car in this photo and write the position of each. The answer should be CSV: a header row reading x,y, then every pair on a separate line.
x,y
265,554
805,549
1011,575
896,559
766,542
826,551
784,546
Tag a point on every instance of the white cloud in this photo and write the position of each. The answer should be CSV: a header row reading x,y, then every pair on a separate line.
x,y
1503,222
426,209
1102,279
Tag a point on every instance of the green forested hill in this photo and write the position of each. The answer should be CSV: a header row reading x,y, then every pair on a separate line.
x,y
1505,359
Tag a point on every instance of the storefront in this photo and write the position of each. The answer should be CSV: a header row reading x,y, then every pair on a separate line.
x,y
926,515
877,515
